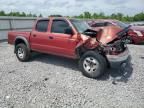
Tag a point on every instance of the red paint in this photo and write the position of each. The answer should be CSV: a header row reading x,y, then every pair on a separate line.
x,y
134,33
62,44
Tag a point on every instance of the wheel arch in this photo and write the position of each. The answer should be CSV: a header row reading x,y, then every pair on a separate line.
x,y
82,50
21,39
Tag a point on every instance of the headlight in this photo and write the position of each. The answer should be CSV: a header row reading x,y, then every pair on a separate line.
x,y
138,33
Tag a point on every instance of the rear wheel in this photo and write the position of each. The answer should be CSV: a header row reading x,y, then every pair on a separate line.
x,y
92,64
22,52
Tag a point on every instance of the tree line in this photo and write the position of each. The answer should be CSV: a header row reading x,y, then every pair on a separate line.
x,y
19,14
85,15
118,16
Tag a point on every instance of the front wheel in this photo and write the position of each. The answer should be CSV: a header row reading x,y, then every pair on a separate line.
x,y
22,52
92,64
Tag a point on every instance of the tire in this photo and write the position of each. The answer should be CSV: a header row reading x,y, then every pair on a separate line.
x,y
22,52
132,41
92,64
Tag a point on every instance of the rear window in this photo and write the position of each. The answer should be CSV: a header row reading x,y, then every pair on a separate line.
x,y
42,26
121,24
101,24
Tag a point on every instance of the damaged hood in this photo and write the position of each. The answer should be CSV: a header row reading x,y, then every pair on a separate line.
x,y
108,34
92,38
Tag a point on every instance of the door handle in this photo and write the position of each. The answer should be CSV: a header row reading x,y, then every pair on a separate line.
x,y
34,35
50,37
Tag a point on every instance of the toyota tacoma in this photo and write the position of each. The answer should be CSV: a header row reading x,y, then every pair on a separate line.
x,y
73,38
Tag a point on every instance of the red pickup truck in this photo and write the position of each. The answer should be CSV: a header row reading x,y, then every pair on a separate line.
x,y
72,38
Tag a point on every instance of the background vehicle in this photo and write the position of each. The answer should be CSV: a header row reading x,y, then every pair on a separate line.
x,y
138,23
136,32
73,39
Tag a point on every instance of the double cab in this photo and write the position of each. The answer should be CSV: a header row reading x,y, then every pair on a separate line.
x,y
73,38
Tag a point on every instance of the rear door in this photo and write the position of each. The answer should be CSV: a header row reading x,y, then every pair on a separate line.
x,y
39,36
62,43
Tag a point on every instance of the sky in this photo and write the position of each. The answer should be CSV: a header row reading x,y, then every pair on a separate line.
x,y
73,7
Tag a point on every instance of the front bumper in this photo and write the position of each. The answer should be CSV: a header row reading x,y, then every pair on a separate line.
x,y
117,61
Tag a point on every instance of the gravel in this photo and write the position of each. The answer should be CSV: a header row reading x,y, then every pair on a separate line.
x,y
48,81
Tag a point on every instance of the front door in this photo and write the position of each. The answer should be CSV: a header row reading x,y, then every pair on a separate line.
x,y
62,43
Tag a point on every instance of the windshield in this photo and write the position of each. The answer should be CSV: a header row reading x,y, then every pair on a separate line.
x,y
80,25
121,24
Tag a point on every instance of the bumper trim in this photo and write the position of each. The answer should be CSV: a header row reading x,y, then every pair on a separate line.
x,y
117,60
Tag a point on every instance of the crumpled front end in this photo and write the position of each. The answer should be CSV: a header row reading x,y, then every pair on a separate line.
x,y
112,46
119,60
117,54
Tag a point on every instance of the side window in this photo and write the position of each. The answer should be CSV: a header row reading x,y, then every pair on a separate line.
x,y
59,26
42,26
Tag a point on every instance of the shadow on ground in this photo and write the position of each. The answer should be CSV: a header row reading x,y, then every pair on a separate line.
x,y
142,57
117,75
56,60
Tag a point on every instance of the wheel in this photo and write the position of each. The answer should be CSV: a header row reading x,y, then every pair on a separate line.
x,y
22,52
92,64
132,41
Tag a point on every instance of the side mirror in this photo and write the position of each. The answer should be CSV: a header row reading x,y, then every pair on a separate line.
x,y
69,31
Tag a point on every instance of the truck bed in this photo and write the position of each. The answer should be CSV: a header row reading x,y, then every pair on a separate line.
x,y
13,34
